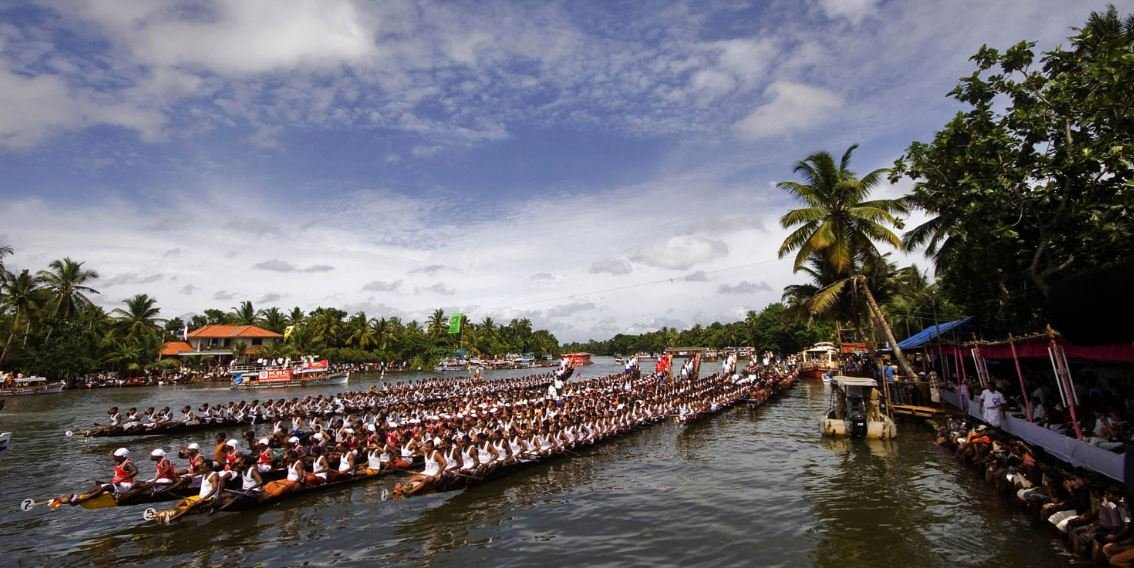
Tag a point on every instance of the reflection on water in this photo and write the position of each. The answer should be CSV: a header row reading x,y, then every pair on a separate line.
x,y
746,487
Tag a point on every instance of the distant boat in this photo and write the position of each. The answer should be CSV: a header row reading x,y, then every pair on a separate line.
x,y
310,372
618,359
452,365
4,438
578,359
819,359
31,385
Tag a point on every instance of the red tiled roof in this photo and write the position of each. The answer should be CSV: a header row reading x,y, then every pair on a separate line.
x,y
171,348
211,331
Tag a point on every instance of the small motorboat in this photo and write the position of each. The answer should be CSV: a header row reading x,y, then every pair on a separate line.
x,y
855,411
31,385
5,437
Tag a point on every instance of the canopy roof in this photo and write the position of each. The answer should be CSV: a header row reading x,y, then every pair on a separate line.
x,y
854,381
932,332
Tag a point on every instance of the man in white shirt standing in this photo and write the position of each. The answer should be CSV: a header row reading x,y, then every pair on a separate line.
x,y
991,404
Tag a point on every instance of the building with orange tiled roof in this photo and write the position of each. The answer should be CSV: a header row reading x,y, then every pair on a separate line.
x,y
174,348
222,338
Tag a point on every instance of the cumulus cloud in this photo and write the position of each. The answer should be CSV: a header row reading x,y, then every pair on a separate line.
x,y
188,289
698,276
381,286
269,298
791,108
853,11
437,288
277,265
744,287
429,270
542,276
573,308
172,253
130,278
224,295
614,266
681,252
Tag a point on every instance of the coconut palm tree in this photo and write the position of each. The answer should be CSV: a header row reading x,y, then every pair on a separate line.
x,y
66,280
22,297
5,250
837,222
437,323
839,226
295,316
360,334
273,319
139,319
244,314
326,326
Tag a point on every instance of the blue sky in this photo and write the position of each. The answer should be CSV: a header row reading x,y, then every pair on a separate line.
x,y
598,167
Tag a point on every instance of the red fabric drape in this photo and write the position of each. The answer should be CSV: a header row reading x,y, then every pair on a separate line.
x,y
1036,348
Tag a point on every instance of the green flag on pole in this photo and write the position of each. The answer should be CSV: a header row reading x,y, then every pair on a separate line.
x,y
455,323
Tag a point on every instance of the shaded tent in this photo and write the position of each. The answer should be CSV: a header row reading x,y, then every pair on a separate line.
x,y
933,332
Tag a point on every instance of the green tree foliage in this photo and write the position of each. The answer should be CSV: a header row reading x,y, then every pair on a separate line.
x,y
1033,180
49,327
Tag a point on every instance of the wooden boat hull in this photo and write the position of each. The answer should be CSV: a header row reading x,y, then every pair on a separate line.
x,y
160,430
362,476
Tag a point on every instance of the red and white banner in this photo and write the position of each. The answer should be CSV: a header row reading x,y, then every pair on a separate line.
x,y
275,376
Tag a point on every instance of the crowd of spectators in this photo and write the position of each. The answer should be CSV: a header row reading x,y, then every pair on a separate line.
x,y
1091,512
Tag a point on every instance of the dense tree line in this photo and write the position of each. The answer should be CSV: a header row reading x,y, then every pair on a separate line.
x,y
767,329
51,327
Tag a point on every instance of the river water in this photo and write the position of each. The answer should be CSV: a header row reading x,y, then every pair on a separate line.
x,y
742,488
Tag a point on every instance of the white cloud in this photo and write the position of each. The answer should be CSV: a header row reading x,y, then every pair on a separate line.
x,y
438,288
251,36
744,287
792,108
682,252
382,286
130,278
853,11
571,309
429,270
614,266
277,265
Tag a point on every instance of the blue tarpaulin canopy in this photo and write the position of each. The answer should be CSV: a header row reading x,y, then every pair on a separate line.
x,y
931,333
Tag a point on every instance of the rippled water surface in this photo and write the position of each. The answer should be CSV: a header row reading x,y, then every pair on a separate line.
x,y
743,488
